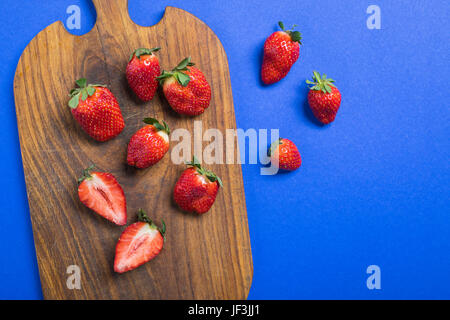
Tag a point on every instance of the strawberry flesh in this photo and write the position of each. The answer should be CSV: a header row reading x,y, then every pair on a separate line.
x,y
139,243
103,194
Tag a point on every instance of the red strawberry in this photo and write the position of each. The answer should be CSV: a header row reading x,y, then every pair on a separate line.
x,y
186,88
138,243
96,110
285,153
196,189
101,192
323,98
149,144
281,50
142,70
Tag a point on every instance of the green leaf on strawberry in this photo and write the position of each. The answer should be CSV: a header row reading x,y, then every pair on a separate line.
x,y
154,122
321,83
296,36
142,217
209,174
86,173
84,91
142,51
177,72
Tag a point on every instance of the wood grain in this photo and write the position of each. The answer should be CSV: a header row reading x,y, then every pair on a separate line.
x,y
205,257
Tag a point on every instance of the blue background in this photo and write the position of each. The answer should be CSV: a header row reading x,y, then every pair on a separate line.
x,y
374,185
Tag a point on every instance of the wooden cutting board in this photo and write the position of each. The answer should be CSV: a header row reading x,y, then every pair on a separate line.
x,y
204,257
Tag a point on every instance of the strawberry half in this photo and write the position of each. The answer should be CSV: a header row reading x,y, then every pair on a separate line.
x,y
142,70
101,192
196,189
323,97
281,51
138,243
96,110
149,144
285,153
186,88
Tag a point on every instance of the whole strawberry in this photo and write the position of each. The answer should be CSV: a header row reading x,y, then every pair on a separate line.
x,y
284,153
186,89
281,50
142,70
323,98
96,110
149,144
101,192
196,189
138,243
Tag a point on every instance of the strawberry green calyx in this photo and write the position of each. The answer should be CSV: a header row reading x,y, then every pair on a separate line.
x,y
84,90
143,51
158,125
142,217
296,36
178,73
321,83
86,173
274,146
209,174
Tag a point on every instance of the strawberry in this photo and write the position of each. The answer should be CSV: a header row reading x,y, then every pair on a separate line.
x,y
186,88
196,189
142,70
281,50
149,144
101,192
323,98
285,153
138,243
96,110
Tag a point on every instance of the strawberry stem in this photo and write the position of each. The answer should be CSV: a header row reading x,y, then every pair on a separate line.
x,y
178,72
321,83
157,124
84,91
86,173
296,36
143,51
209,174
142,217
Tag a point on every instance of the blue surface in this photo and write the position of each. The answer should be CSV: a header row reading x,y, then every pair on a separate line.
x,y
373,187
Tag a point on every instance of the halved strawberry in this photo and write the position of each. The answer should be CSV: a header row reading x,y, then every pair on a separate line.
x,y
138,243
101,192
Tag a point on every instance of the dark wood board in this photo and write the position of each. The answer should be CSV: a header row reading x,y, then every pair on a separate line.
x,y
204,257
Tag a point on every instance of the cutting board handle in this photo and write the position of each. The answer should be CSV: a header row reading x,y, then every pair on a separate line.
x,y
110,11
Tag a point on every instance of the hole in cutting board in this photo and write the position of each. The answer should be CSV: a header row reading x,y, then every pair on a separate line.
x,y
88,16
141,12
145,13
